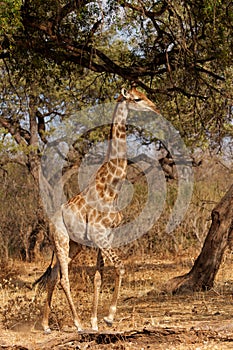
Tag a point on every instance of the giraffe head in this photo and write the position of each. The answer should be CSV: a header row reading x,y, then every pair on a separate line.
x,y
137,100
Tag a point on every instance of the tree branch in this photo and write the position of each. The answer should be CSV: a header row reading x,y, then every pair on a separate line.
x,y
51,42
14,129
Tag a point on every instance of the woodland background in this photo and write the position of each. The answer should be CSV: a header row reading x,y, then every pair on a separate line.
x,y
58,57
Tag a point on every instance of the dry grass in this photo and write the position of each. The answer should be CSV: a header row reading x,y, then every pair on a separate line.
x,y
195,321
147,318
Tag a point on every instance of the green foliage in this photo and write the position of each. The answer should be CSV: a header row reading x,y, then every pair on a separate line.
x,y
60,57
78,55
10,17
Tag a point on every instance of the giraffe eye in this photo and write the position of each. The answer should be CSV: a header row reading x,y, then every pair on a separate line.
x,y
137,99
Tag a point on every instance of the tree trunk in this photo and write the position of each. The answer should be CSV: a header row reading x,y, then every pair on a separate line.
x,y
205,268
34,236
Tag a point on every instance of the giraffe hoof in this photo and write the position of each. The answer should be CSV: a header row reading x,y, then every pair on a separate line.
x,y
108,321
94,324
80,329
47,331
78,326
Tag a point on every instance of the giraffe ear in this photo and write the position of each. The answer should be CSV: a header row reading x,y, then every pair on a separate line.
x,y
125,93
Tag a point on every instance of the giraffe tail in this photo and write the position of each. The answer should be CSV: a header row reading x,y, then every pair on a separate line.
x,y
42,281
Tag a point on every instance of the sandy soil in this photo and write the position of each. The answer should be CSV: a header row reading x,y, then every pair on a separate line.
x,y
147,318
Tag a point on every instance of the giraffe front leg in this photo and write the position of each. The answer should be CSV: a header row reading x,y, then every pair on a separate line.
x,y
112,310
119,268
97,285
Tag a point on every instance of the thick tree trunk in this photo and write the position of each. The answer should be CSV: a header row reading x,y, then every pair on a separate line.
x,y
205,268
34,237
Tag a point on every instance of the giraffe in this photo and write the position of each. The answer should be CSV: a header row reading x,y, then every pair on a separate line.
x,y
89,217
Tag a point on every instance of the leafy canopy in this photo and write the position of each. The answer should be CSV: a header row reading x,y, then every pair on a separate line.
x,y
75,53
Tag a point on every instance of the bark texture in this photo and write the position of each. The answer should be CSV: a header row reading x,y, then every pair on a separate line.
x,y
206,266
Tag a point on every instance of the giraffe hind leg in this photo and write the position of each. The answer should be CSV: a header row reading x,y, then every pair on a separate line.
x,y
63,256
54,277
65,250
49,280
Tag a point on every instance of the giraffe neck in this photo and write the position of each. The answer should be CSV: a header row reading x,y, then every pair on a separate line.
x,y
108,179
117,147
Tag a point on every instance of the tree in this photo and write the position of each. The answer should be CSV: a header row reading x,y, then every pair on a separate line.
x,y
56,53
205,268
180,52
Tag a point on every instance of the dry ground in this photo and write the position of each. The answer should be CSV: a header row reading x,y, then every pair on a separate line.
x,y
147,318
